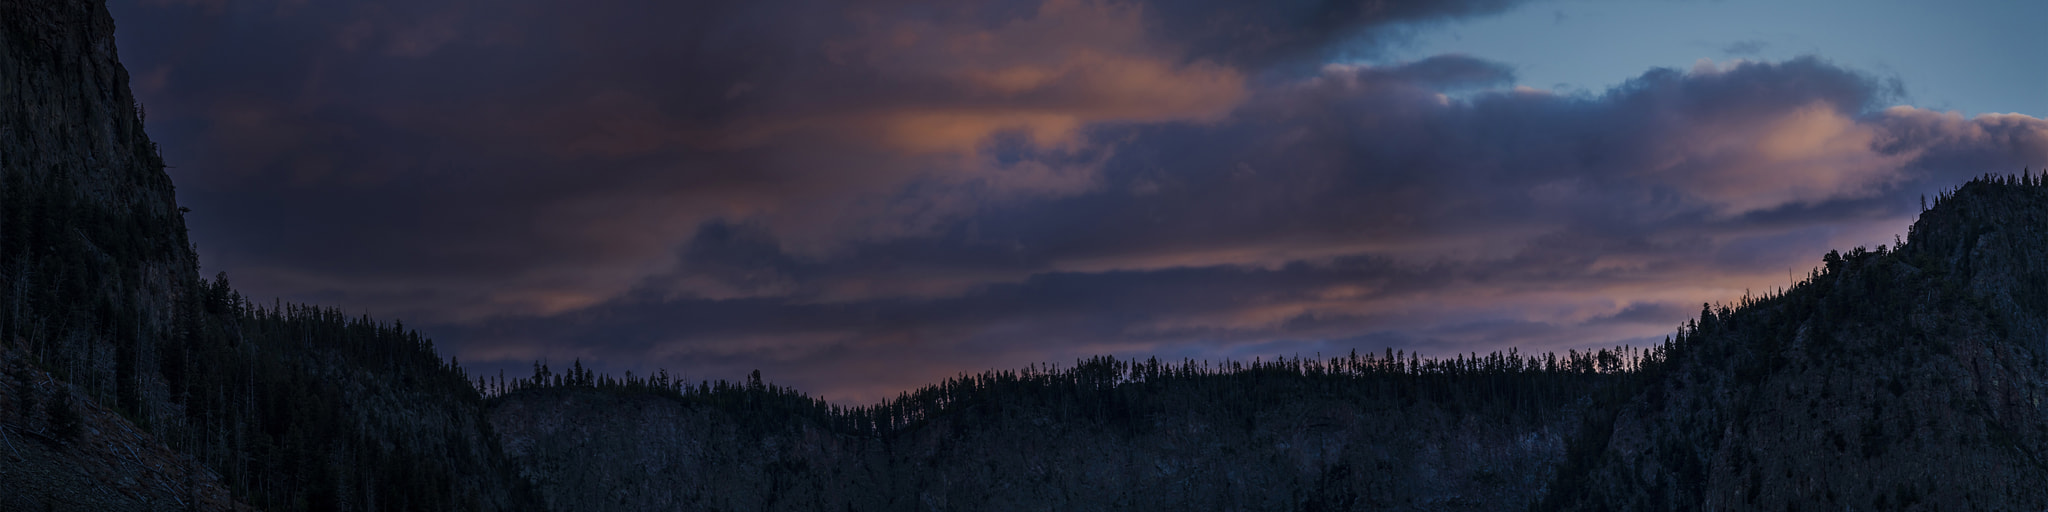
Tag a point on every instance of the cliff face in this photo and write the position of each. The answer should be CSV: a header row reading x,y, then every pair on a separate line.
x,y
94,263
94,266
128,383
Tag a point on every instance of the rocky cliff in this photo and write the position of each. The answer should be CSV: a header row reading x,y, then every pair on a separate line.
x,y
94,265
131,384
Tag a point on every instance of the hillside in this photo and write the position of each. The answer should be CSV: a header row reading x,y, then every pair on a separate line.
x,y
1348,433
1904,377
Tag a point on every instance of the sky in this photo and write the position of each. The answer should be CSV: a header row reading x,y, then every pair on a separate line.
x,y
859,197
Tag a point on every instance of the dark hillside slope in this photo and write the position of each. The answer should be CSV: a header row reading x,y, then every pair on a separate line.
x,y
1351,433
128,383
74,454
1909,378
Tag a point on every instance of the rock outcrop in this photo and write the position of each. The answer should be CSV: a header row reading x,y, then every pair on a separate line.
x,y
129,383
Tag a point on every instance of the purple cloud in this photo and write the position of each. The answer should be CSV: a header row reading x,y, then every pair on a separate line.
x,y
862,197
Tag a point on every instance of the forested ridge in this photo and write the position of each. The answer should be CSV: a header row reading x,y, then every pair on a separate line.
x,y
1903,376
1107,387
303,407
1900,377
1335,433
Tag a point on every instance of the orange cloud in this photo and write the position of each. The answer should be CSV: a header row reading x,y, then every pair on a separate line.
x,y
1805,155
1919,128
1076,62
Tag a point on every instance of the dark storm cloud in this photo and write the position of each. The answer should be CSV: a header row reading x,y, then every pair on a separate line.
x,y
1376,160
1745,48
860,197
539,156
1358,207
1302,32
1446,72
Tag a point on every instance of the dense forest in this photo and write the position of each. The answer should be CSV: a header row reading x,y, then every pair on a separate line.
x,y
1107,388
1338,433
306,408
820,455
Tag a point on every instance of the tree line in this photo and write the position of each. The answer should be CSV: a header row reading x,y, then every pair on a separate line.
x,y
1106,385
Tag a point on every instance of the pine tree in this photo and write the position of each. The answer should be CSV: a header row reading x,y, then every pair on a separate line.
x,y
64,420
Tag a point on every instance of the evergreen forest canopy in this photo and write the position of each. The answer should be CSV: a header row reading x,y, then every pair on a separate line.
x,y
1104,387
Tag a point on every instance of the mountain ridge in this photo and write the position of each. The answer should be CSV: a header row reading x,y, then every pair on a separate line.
x,y
1729,413
1900,377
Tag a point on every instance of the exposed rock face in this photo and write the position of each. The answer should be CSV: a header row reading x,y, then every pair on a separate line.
x,y
179,390
94,262
94,265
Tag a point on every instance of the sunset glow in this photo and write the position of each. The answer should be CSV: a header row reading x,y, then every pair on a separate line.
x,y
861,197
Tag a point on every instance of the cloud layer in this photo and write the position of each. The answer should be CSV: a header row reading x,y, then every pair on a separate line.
x,y
861,197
